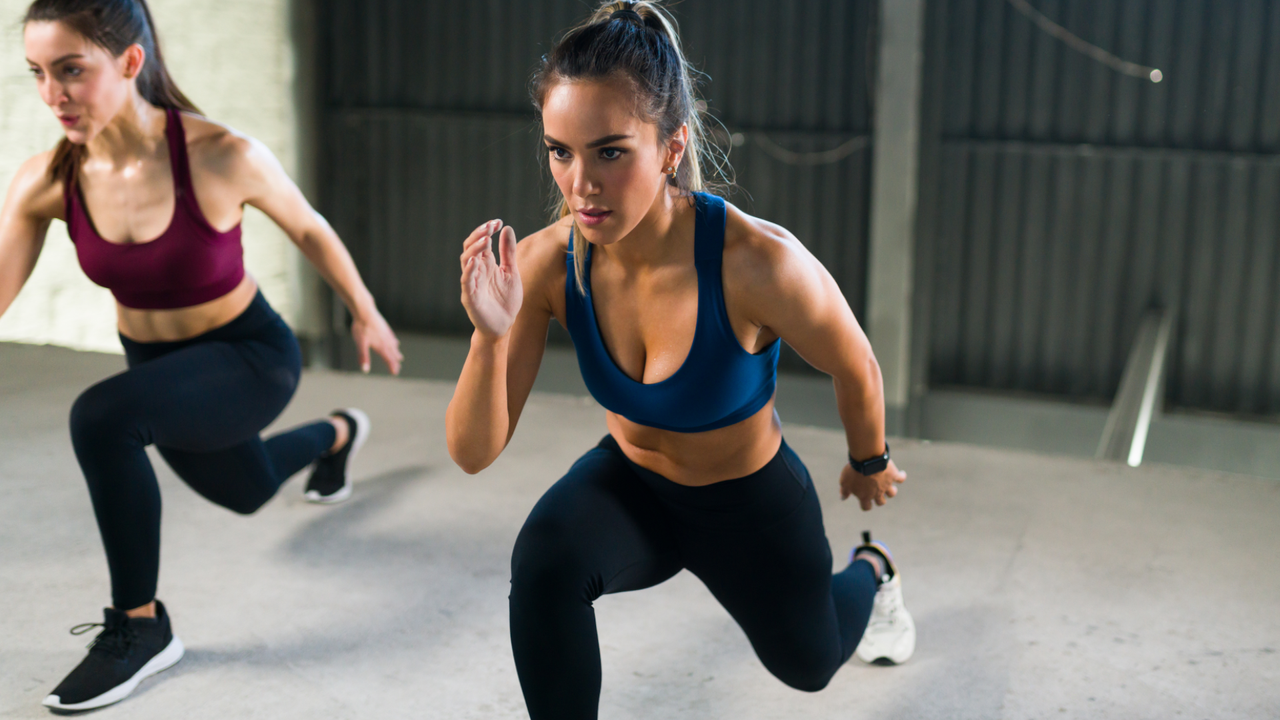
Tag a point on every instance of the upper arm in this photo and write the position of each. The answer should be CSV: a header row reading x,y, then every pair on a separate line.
x,y
541,258
794,297
31,204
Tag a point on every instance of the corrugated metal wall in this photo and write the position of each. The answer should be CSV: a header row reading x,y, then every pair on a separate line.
x,y
427,129
1063,200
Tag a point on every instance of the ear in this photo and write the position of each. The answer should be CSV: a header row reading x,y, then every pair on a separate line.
x,y
132,60
676,146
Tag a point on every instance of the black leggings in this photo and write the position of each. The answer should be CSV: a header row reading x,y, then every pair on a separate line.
x,y
202,402
610,526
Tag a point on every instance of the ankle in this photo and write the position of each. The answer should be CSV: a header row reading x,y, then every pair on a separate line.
x,y
147,611
873,559
341,432
880,564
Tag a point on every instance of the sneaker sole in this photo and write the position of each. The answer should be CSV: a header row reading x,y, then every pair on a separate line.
x,y
163,660
899,654
362,434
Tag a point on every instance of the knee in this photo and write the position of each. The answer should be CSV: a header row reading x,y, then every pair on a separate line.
x,y
806,675
547,560
246,505
95,414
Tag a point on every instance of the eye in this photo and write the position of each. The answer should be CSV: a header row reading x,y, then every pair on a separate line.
x,y
35,71
72,71
558,153
610,153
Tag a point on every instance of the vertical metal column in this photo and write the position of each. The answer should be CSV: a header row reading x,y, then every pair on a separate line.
x,y
1140,394
894,192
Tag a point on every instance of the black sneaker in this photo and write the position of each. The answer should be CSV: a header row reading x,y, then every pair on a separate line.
x,y
330,481
127,651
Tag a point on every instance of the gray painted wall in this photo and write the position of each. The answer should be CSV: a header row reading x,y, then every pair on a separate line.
x,y
428,131
1065,199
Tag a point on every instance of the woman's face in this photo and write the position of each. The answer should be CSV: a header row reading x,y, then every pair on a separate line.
x,y
607,162
80,81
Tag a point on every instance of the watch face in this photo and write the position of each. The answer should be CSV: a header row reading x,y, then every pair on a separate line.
x,y
872,467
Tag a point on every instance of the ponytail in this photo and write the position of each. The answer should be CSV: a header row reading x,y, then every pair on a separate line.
x,y
638,41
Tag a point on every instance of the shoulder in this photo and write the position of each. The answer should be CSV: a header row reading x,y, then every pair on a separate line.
x,y
217,148
33,191
760,254
545,249
542,258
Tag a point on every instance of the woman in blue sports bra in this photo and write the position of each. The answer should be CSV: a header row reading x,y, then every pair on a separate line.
x,y
677,303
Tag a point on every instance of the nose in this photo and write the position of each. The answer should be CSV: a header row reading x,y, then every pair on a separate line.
x,y
51,92
583,184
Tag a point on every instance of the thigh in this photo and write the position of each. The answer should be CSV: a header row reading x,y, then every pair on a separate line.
x,y
598,530
776,583
239,478
208,396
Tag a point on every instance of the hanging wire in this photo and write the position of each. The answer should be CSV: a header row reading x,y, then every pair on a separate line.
x,y
850,146
824,157
1084,47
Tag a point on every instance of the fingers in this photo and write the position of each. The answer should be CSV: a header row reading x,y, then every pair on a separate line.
x,y
362,352
469,270
866,504
484,230
477,243
507,250
393,359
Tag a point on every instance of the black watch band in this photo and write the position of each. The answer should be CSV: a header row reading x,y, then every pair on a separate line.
x,y
874,465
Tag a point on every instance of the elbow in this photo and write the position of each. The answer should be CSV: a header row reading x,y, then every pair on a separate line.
x,y
863,374
469,465
872,372
465,455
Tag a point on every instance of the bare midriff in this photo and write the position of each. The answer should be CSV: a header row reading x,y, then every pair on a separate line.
x,y
188,322
704,458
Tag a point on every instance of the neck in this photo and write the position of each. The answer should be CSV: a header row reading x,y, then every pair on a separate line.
x,y
137,131
653,242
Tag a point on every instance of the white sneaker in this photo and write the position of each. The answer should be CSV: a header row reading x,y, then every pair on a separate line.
x,y
890,638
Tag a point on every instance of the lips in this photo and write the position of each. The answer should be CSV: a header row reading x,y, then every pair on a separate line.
x,y
68,120
593,216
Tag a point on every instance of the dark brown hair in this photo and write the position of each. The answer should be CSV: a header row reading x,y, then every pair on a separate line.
x,y
113,25
639,42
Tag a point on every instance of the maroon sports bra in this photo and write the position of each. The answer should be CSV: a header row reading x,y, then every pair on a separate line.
x,y
189,264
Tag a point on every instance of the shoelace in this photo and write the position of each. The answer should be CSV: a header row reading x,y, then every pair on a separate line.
x,y
884,614
114,639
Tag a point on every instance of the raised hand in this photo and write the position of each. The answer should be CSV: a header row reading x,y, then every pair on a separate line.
x,y
491,292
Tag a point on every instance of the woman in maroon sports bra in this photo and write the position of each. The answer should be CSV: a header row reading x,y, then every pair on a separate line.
x,y
153,195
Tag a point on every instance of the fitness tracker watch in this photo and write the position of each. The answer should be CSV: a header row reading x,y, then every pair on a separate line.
x,y
874,465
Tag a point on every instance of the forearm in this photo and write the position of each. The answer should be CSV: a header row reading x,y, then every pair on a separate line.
x,y
860,400
325,251
477,421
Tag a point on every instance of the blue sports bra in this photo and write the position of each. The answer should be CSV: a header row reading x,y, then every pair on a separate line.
x,y
719,383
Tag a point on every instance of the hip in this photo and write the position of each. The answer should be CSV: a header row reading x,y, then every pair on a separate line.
x,y
257,330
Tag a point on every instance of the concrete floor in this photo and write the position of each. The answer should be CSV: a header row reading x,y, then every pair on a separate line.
x,y
1042,587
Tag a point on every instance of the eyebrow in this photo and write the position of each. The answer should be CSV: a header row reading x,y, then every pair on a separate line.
x,y
594,143
64,58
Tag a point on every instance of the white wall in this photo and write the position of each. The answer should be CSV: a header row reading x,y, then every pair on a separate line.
x,y
233,58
